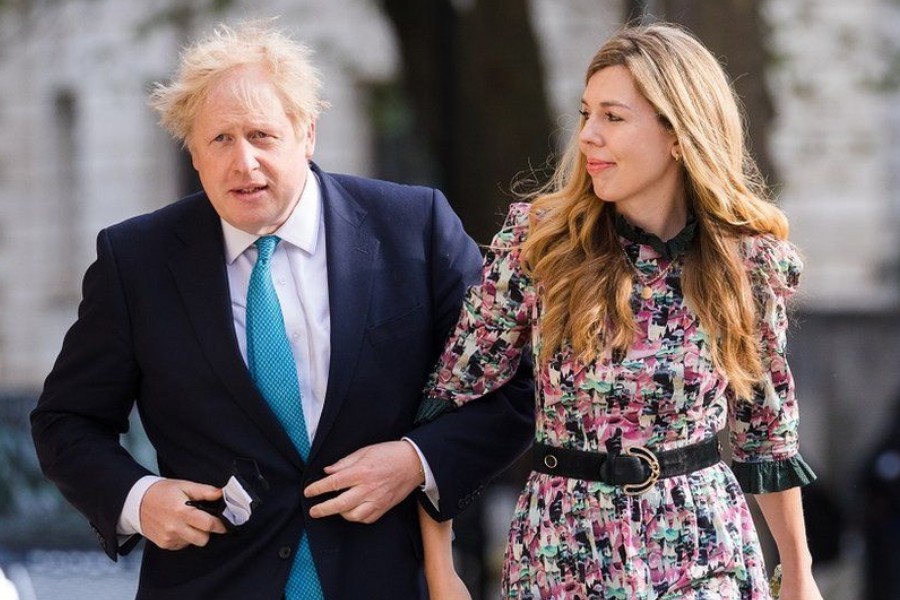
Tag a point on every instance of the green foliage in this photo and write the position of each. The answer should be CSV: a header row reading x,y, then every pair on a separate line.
x,y
20,474
31,508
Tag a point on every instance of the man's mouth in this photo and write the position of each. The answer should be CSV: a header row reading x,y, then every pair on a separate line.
x,y
249,190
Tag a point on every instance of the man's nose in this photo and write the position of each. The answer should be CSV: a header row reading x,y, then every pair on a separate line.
x,y
245,157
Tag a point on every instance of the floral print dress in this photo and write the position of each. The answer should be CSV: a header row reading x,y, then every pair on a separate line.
x,y
688,536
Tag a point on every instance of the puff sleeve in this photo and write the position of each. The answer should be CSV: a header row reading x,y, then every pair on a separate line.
x,y
763,428
484,349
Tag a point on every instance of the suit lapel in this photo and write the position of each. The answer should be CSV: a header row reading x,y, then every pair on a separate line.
x,y
351,252
202,280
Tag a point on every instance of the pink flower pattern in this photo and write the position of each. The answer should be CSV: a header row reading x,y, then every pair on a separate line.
x,y
689,536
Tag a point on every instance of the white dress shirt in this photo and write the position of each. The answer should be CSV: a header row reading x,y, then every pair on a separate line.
x,y
299,270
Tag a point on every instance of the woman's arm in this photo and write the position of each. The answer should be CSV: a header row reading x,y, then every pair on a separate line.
x,y
764,428
437,539
783,512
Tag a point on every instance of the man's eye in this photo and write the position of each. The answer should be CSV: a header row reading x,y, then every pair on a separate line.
x,y
220,138
260,135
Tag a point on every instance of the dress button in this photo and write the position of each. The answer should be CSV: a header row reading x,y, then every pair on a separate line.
x,y
284,552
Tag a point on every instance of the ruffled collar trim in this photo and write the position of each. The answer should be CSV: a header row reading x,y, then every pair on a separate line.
x,y
670,249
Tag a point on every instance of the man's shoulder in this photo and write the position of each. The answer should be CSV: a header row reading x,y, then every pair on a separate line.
x,y
377,190
190,208
158,232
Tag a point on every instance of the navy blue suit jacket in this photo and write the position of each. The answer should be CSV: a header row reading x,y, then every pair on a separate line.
x,y
155,328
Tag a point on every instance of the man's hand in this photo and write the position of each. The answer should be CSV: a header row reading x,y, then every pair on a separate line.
x,y
374,479
170,523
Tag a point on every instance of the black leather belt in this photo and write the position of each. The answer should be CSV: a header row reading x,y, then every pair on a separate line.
x,y
636,468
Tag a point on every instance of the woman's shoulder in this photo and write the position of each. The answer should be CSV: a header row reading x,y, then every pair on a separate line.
x,y
515,227
773,262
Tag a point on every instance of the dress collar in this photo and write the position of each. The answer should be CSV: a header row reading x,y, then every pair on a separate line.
x,y
670,249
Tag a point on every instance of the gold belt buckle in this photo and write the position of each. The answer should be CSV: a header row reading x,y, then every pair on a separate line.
x,y
642,453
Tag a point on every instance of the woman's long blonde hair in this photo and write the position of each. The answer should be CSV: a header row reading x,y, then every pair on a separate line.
x,y
573,252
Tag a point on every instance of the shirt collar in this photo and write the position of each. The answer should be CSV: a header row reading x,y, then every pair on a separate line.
x,y
301,229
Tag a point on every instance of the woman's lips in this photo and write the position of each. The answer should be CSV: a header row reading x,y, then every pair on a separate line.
x,y
595,166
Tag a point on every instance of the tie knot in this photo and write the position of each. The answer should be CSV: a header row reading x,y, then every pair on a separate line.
x,y
266,246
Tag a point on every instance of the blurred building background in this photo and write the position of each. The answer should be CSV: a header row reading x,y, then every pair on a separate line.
x,y
464,94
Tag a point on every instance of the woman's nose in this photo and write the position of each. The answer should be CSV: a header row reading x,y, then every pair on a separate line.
x,y
590,133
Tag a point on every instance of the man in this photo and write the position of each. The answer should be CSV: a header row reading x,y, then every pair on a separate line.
x,y
280,320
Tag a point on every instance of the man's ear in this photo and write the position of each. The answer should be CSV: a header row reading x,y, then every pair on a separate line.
x,y
310,140
187,146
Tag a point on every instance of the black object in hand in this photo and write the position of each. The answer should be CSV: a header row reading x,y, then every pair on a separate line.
x,y
213,507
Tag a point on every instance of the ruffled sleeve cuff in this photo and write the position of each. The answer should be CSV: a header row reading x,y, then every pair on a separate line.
x,y
432,408
773,476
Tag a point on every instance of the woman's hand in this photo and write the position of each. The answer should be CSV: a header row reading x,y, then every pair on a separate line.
x,y
798,585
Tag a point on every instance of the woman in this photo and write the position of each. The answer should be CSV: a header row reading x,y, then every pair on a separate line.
x,y
649,280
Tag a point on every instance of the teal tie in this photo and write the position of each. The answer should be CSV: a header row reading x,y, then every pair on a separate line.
x,y
274,371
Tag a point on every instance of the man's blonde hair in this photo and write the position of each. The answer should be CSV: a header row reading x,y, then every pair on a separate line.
x,y
254,43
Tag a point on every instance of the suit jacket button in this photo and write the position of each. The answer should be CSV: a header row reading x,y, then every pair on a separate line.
x,y
284,552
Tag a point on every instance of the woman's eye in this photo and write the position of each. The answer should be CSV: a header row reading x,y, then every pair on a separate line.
x,y
612,117
584,113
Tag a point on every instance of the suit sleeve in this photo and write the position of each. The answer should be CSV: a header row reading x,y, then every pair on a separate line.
x,y
467,448
86,402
